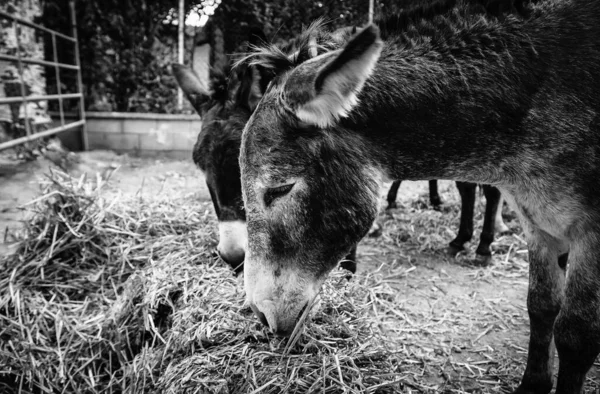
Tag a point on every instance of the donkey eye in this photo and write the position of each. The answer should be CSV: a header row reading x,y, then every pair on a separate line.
x,y
274,193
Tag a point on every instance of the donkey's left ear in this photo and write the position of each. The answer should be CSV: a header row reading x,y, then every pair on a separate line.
x,y
338,82
249,92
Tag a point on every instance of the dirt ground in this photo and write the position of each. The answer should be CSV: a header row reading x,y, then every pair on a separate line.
x,y
128,176
476,325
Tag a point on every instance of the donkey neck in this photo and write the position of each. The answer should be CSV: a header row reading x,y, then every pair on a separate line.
x,y
452,107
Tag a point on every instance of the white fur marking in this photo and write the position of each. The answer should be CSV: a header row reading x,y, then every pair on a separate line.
x,y
233,238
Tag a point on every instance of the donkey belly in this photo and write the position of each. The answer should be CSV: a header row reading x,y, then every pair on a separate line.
x,y
557,214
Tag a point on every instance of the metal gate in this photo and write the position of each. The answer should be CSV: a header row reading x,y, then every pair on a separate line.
x,y
24,99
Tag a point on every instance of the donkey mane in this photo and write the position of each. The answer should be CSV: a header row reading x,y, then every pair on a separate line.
x,y
413,18
315,39
410,21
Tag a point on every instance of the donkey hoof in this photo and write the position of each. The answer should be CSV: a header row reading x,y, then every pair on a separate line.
x,y
436,202
392,205
482,260
453,250
528,389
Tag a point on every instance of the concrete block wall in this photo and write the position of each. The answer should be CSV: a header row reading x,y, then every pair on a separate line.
x,y
143,134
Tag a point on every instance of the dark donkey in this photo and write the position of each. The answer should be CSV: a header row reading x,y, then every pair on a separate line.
x,y
225,105
492,220
434,196
512,102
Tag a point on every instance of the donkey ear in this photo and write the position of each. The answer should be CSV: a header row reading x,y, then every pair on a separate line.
x,y
193,87
250,91
251,87
338,82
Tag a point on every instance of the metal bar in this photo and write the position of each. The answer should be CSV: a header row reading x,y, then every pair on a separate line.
x,y
34,25
38,62
180,45
12,100
84,136
45,133
57,72
20,65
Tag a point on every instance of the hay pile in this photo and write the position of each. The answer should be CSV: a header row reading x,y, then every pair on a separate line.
x,y
57,292
108,295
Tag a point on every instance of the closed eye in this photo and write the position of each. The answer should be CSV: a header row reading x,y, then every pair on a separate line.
x,y
274,193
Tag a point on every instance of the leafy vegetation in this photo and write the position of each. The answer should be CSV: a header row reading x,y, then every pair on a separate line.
x,y
126,46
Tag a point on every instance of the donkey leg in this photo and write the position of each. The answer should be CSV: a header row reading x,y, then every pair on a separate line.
x,y
499,224
492,199
577,328
465,230
434,196
544,300
349,261
392,194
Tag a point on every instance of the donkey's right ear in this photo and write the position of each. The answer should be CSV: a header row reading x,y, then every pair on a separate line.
x,y
338,83
197,91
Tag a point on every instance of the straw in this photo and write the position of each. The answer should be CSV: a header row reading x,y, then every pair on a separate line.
x,y
125,296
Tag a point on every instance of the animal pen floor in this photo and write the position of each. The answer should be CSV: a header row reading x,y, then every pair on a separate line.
x,y
170,317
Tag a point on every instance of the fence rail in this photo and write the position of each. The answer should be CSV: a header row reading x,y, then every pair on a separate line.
x,y
23,99
35,26
38,62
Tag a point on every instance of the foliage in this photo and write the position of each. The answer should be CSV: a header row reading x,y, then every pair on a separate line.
x,y
283,19
126,46
125,65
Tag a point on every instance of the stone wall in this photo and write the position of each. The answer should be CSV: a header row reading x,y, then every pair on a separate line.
x,y
143,134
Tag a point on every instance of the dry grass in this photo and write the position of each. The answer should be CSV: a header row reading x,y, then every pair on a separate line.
x,y
125,296
58,323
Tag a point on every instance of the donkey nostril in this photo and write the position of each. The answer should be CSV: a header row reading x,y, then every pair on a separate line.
x,y
263,319
261,316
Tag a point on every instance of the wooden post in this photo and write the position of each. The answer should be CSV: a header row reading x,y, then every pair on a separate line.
x,y
181,42
371,10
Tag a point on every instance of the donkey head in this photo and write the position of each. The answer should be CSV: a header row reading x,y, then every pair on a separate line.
x,y
310,187
224,104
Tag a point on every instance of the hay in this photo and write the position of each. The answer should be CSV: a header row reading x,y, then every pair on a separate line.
x,y
215,344
57,292
125,296
113,295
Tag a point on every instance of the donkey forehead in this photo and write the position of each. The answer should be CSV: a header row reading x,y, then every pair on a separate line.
x,y
269,141
224,122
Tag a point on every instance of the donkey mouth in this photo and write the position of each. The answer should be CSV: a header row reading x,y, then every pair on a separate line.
x,y
289,331
237,265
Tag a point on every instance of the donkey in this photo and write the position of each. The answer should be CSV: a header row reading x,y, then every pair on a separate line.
x,y
492,220
434,196
225,107
444,93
